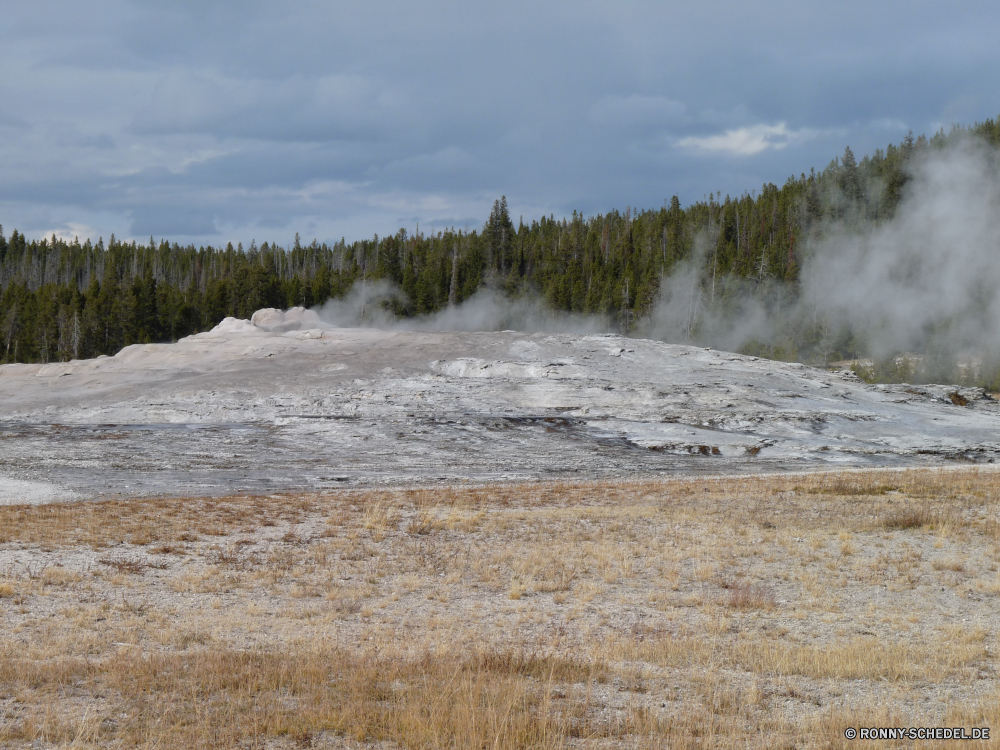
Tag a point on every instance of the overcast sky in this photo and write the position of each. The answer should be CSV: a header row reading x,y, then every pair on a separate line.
x,y
213,121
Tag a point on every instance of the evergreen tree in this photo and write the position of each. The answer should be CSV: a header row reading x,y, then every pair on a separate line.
x,y
60,300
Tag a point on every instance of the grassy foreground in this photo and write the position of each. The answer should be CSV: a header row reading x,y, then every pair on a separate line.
x,y
769,612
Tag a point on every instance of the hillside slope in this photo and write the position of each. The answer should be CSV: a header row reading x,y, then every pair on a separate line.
x,y
292,403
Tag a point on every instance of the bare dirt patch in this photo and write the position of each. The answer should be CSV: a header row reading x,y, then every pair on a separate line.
x,y
739,612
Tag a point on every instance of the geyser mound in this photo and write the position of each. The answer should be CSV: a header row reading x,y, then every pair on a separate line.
x,y
286,402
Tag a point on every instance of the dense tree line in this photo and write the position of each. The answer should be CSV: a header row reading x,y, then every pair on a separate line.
x,y
61,300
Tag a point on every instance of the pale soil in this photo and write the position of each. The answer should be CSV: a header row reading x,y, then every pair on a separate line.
x,y
761,612
245,410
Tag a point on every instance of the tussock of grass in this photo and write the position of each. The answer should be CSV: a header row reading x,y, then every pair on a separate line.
x,y
912,518
749,596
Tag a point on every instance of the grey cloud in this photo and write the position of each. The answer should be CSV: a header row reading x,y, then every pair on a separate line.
x,y
350,116
12,120
171,221
101,141
296,109
451,167
640,112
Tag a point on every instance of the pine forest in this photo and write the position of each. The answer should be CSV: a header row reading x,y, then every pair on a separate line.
x,y
64,300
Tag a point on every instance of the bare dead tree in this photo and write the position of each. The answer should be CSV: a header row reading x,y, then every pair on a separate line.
x,y
10,328
453,290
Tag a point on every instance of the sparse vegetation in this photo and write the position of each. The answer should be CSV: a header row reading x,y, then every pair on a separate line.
x,y
702,612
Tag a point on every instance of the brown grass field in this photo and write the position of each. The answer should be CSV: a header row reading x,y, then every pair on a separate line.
x,y
751,612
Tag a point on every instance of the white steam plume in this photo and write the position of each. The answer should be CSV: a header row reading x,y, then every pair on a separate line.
x,y
927,280
697,305
486,310
930,277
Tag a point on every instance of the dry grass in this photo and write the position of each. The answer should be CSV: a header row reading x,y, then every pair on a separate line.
x,y
223,698
730,613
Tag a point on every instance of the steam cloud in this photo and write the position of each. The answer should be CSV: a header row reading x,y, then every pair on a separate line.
x,y
365,305
930,278
698,305
927,280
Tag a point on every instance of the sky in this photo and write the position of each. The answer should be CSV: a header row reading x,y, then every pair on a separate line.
x,y
209,122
